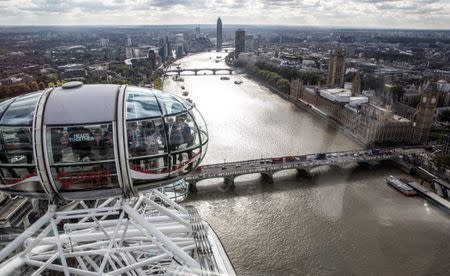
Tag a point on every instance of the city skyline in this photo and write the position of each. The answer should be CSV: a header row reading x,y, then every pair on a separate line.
x,y
411,14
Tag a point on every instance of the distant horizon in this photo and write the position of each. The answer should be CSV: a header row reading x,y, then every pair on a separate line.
x,y
368,14
226,26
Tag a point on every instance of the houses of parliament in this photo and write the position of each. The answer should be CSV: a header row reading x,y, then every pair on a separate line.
x,y
355,113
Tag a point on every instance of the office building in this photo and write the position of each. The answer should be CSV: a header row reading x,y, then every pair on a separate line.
x,y
239,42
219,34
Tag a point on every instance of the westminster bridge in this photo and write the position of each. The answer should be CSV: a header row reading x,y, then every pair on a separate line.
x,y
214,71
304,164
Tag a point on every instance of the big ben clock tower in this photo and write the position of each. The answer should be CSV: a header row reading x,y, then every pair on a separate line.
x,y
425,114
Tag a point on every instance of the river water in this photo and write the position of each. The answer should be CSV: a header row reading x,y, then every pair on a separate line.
x,y
339,222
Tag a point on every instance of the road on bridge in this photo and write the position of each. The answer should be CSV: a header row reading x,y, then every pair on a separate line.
x,y
268,166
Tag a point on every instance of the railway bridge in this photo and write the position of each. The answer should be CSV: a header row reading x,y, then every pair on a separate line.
x,y
178,71
267,167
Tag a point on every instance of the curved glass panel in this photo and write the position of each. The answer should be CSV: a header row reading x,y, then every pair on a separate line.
x,y
169,104
21,111
203,130
17,168
17,147
183,139
4,105
82,157
146,137
141,103
145,170
189,130
80,143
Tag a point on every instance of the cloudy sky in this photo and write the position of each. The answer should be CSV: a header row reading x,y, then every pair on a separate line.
x,y
422,14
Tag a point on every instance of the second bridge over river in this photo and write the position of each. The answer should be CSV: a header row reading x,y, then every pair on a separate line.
x,y
214,71
267,167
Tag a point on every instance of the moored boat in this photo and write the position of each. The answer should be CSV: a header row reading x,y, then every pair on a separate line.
x,y
401,185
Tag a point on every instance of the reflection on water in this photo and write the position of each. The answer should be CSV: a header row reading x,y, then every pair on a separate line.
x,y
345,222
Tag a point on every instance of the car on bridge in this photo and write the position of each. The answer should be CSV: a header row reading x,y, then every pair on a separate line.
x,y
277,160
321,156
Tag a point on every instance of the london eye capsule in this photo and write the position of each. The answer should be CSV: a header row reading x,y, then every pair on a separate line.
x,y
96,141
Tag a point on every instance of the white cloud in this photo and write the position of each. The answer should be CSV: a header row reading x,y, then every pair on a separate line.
x,y
354,13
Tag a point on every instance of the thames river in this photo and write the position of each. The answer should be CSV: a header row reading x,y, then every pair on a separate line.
x,y
339,222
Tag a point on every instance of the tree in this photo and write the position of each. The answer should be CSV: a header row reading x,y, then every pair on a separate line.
x,y
283,85
4,92
41,86
34,86
397,93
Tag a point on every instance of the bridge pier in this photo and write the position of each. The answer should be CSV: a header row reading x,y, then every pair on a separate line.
x,y
267,177
228,183
195,72
336,168
214,72
366,164
192,187
304,173
231,72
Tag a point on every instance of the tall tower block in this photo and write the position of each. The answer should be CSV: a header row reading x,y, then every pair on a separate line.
x,y
356,85
239,42
219,34
425,114
296,89
336,69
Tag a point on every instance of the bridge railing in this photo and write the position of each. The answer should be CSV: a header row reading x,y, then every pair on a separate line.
x,y
259,160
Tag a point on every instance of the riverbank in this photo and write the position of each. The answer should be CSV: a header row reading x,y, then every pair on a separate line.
x,y
310,109
430,195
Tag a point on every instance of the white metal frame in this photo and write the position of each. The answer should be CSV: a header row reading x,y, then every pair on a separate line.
x,y
139,236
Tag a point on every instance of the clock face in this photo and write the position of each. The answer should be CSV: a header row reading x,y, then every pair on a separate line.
x,y
424,100
433,100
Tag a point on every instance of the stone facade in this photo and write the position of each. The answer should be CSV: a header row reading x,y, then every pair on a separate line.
x,y
356,85
336,69
426,113
296,87
369,124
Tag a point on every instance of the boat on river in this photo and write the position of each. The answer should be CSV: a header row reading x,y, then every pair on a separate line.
x,y
401,185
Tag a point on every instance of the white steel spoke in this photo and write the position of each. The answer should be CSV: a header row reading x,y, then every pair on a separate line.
x,y
38,272
102,266
135,237
60,249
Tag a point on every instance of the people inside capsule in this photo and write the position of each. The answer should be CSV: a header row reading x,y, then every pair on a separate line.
x,y
16,154
75,152
164,137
